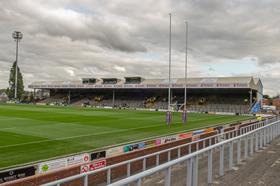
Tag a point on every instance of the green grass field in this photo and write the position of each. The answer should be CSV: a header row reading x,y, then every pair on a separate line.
x,y
31,133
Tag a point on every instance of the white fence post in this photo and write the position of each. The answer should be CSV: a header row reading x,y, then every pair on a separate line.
x,y
195,171
210,159
86,180
221,170
189,172
144,164
246,147
108,176
251,144
257,135
167,178
128,169
238,151
230,155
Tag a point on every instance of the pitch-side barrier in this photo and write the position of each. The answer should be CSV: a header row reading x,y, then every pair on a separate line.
x,y
202,146
260,137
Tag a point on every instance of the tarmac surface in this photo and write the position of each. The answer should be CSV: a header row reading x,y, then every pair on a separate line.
x,y
262,168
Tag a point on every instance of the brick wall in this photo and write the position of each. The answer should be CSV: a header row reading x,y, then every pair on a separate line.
x,y
276,102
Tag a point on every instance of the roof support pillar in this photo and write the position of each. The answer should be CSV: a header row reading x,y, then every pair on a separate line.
x,y
113,102
34,95
69,97
251,98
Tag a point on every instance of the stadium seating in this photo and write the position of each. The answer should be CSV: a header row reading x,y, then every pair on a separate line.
x,y
58,99
195,103
229,103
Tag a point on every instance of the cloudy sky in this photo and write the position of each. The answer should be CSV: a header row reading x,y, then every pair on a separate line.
x,y
71,39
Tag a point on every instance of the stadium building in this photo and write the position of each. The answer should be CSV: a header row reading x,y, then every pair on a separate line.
x,y
238,95
3,97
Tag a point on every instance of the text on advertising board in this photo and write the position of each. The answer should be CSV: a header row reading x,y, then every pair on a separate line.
x,y
17,174
63,162
93,166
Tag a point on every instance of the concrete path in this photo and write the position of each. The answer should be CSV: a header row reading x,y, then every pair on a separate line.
x,y
263,168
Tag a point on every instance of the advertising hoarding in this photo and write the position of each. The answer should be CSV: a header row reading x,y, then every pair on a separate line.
x,y
133,147
115,151
52,165
152,143
78,159
15,174
185,135
97,155
208,130
198,132
169,139
63,162
195,138
93,166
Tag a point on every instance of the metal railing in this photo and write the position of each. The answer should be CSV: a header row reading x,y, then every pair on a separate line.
x,y
204,143
259,138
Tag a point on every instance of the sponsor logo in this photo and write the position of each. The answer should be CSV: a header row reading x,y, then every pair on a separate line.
x,y
17,174
185,135
63,162
93,166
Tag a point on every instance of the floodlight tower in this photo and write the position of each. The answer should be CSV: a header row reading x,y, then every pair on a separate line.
x,y
17,37
168,113
184,114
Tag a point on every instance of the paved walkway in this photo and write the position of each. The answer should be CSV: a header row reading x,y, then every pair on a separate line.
x,y
263,168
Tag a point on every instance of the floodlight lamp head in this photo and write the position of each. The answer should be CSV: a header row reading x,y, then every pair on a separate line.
x,y
17,35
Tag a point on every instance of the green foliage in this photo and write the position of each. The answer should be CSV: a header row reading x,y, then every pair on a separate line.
x,y
20,87
27,97
266,96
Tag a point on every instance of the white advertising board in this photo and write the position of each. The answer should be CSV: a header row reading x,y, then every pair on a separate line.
x,y
63,162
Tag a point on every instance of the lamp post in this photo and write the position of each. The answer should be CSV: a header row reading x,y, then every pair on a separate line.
x,y
17,36
184,114
168,113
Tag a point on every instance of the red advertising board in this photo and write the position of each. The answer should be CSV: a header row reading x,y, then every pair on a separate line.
x,y
185,135
93,166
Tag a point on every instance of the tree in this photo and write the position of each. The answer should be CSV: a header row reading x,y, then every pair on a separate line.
x,y
266,96
20,87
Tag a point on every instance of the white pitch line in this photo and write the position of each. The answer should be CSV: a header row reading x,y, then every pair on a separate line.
x,y
76,123
9,128
79,136
68,123
13,118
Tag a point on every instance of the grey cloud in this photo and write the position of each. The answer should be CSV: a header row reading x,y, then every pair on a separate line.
x,y
120,33
76,26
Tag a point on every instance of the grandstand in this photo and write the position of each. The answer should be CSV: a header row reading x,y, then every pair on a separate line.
x,y
238,95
